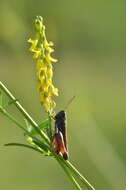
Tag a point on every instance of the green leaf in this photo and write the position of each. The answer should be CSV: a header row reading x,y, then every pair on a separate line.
x,y
23,145
44,124
32,130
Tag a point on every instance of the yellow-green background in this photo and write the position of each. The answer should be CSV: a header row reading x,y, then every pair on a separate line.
x,y
90,44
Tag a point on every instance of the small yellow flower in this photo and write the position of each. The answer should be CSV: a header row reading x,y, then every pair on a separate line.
x,y
42,50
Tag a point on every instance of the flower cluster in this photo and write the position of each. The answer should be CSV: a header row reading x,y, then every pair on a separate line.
x,y
42,50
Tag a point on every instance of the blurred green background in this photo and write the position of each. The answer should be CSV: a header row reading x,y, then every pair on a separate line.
x,y
90,44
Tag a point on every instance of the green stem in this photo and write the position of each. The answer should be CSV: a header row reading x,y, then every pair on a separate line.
x,y
23,111
77,173
72,179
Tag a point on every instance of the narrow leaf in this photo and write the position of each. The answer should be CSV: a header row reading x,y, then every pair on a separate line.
x,y
44,124
32,130
23,145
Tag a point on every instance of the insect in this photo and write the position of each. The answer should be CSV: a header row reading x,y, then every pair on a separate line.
x,y
59,139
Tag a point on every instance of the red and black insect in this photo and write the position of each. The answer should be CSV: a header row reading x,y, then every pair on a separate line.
x,y
59,139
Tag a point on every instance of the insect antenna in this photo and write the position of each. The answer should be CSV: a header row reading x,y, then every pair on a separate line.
x,y
69,102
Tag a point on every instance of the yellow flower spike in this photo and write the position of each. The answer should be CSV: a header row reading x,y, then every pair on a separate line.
x,y
42,50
